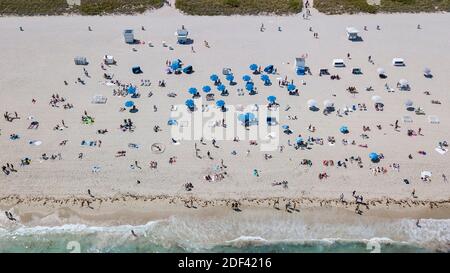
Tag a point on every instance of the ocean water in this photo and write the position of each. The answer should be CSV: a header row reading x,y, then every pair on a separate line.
x,y
234,234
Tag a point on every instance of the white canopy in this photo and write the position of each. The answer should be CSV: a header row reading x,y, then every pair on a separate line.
x,y
328,103
425,174
377,99
352,30
409,103
381,71
403,82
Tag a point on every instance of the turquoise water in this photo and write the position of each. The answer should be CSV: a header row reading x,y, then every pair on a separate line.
x,y
234,234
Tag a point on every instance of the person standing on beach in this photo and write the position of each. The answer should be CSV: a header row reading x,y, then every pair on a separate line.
x,y
444,177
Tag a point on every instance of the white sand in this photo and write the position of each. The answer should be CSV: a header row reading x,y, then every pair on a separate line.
x,y
35,62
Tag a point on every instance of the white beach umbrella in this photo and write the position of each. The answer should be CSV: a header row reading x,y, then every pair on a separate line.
x,y
312,103
376,99
427,70
425,174
328,103
381,71
409,103
403,82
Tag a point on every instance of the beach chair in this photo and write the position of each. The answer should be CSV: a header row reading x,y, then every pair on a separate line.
x,y
433,119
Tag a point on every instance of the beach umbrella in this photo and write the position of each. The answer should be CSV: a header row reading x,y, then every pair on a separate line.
x,y
221,87
374,156
246,117
246,78
131,90
427,71
299,140
271,99
424,174
376,99
190,103
403,82
220,103
129,103
328,103
230,77
312,103
253,67
249,86
214,77
206,88
285,127
344,129
409,103
381,71
265,77
193,91
290,87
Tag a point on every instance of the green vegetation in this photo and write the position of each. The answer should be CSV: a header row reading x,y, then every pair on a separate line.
x,y
97,7
33,7
343,6
414,5
241,7
355,6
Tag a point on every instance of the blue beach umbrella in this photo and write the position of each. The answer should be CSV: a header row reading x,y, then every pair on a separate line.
x,y
285,127
175,65
246,117
271,98
190,103
374,156
299,140
246,78
129,104
249,87
230,77
253,67
214,77
290,87
220,103
131,90
221,87
265,77
193,91
344,129
206,88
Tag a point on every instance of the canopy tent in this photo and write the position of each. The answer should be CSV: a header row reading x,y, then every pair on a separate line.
x,y
425,174
108,59
80,60
352,33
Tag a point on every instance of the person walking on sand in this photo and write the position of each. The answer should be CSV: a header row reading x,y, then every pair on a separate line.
x,y
444,177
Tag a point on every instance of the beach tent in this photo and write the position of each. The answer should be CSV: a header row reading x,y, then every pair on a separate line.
x,y
427,72
80,60
108,59
269,69
136,70
206,88
398,62
352,33
374,157
128,35
344,129
188,69
300,66
182,35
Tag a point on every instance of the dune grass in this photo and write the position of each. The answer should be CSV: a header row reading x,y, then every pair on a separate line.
x,y
355,6
33,7
241,7
98,7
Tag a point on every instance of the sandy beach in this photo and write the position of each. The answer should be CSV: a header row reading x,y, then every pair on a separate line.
x,y
36,62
